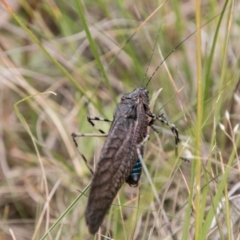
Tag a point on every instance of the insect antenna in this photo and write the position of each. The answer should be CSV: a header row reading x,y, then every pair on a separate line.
x,y
149,62
176,47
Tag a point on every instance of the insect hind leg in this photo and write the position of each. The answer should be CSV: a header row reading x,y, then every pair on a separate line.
x,y
90,120
77,134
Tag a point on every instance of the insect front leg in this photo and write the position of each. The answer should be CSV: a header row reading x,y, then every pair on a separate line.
x,y
162,118
77,134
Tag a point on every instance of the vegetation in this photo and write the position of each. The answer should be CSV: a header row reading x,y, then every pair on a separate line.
x,y
64,60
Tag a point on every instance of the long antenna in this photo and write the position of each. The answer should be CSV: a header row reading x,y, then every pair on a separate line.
x,y
150,60
176,47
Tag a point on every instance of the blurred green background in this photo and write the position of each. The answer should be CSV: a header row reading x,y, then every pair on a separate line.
x,y
90,53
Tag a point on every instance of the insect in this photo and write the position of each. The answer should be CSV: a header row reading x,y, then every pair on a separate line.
x,y
121,153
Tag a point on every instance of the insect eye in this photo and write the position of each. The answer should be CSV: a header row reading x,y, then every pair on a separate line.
x,y
136,98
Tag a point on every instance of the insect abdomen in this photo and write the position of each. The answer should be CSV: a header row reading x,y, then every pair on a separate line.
x,y
135,175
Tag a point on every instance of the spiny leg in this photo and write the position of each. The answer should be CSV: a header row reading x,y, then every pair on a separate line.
x,y
92,118
173,128
76,134
162,118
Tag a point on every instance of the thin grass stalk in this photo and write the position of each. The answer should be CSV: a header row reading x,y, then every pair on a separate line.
x,y
219,193
224,61
93,46
198,164
25,125
71,206
221,186
210,60
227,207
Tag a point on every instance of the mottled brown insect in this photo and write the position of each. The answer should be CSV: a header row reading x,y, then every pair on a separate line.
x,y
118,155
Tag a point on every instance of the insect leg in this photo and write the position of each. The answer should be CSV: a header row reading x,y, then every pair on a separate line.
x,y
92,118
162,118
76,134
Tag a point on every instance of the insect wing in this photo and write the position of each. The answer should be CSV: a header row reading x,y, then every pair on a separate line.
x,y
116,161
118,155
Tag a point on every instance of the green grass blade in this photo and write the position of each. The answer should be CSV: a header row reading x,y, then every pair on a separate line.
x,y
71,206
93,46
